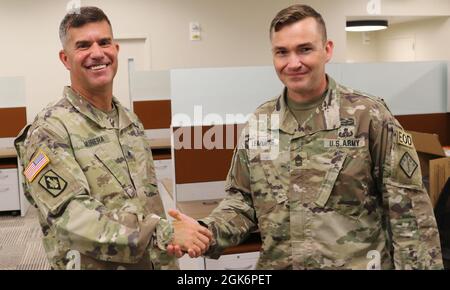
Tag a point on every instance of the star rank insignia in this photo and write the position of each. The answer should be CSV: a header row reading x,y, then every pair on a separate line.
x,y
53,183
408,165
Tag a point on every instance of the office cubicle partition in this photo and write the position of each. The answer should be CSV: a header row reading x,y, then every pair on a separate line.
x,y
227,96
13,117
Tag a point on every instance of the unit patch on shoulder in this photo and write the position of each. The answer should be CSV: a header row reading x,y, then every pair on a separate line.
x,y
36,165
53,183
408,165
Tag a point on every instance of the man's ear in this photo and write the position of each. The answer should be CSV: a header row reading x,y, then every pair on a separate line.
x,y
64,59
117,46
329,47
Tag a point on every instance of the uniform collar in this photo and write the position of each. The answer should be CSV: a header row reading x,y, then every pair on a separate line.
x,y
326,118
95,115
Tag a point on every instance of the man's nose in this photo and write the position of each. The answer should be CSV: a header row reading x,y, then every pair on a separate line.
x,y
96,51
295,62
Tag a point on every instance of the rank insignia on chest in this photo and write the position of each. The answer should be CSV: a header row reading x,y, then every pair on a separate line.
x,y
53,183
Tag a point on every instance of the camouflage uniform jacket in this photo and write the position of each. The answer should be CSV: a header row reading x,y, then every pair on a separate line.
x,y
94,213
341,191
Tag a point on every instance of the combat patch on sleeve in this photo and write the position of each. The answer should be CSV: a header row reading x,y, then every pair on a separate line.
x,y
404,139
53,183
408,165
36,165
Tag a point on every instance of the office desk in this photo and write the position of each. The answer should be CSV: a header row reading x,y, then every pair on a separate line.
x,y
161,148
163,143
7,153
11,193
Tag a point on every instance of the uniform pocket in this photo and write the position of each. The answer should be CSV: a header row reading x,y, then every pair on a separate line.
x,y
120,175
269,181
330,178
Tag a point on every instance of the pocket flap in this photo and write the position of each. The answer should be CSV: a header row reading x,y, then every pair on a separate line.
x,y
330,178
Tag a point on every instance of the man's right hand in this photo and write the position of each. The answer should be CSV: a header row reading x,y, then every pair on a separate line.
x,y
189,236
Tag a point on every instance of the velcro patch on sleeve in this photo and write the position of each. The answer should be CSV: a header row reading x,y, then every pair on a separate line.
x,y
404,139
408,165
53,183
36,165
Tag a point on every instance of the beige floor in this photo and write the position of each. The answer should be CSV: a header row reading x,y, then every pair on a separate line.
x,y
20,243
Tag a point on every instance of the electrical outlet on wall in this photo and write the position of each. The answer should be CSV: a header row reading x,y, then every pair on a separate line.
x,y
195,31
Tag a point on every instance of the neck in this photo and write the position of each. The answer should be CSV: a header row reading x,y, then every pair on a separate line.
x,y
311,95
100,99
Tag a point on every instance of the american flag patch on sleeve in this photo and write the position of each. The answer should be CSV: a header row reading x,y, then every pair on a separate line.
x,y
36,165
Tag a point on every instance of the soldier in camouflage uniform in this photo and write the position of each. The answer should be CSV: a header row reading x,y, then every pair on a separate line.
x,y
336,182
88,165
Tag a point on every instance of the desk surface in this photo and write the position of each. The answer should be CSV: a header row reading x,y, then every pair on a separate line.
x,y
160,143
154,144
7,153
198,209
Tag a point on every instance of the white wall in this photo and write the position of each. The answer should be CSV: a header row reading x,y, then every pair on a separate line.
x,y
422,40
430,38
362,47
235,33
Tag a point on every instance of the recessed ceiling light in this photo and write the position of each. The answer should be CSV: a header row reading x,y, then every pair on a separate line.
x,y
366,25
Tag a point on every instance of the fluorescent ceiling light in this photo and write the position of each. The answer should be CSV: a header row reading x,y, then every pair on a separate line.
x,y
366,25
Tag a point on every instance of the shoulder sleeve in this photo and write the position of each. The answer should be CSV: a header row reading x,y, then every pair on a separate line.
x,y
411,223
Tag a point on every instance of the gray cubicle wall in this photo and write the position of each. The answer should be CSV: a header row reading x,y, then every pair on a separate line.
x,y
12,92
222,91
12,99
407,87
149,85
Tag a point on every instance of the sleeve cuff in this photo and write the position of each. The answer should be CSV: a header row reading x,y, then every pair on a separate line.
x,y
164,234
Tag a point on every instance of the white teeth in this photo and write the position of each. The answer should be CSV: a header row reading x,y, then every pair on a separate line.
x,y
98,67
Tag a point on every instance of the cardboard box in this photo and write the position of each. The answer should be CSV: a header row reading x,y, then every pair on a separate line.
x,y
433,162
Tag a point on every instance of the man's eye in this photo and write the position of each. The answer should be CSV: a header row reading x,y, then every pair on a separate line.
x,y
281,53
83,46
105,43
305,49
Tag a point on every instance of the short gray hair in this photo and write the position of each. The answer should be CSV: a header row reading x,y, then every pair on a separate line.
x,y
79,17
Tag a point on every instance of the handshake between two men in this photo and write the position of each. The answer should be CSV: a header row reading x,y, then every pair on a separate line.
x,y
188,236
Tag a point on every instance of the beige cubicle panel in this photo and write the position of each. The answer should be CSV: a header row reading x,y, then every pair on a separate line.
x,y
154,114
203,164
12,121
